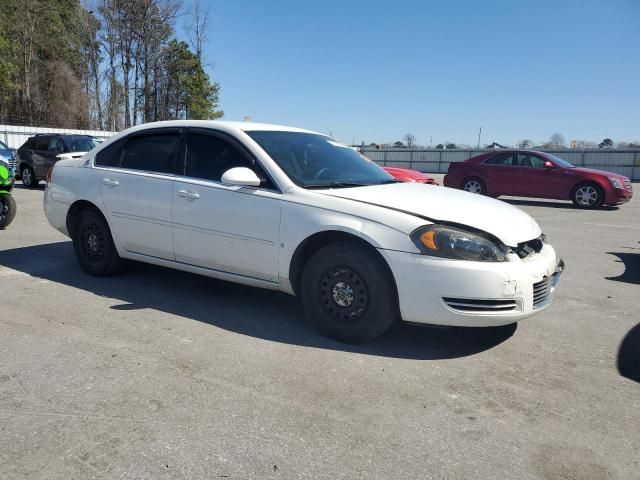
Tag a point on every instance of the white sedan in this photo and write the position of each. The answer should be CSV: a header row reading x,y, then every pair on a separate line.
x,y
293,210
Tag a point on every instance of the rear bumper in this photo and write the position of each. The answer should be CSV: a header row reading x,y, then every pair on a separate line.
x,y
474,294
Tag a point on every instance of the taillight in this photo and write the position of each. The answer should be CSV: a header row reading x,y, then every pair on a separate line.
x,y
49,174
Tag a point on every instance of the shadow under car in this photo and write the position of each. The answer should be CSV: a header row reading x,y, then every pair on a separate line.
x,y
260,313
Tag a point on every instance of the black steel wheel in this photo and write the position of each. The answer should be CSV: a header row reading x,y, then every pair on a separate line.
x,y
8,210
94,245
348,292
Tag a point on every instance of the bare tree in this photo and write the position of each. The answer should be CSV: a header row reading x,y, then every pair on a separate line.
x,y
583,144
525,144
556,140
410,140
198,28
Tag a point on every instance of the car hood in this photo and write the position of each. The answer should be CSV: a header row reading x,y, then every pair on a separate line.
x,y
597,172
438,204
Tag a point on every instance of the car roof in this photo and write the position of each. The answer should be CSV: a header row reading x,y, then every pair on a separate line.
x,y
229,126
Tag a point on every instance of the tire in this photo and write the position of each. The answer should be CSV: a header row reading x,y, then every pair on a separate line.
x,y
587,195
93,245
348,293
28,177
8,209
474,185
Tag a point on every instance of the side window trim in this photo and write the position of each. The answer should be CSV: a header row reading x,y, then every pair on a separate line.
x,y
235,143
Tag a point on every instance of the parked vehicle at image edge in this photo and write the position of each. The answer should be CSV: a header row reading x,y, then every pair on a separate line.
x,y
525,173
408,175
8,154
38,154
293,210
8,207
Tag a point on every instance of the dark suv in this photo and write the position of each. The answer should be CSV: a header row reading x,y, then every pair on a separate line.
x,y
39,153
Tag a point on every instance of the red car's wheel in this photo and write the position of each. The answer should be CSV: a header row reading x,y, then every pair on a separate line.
x,y
587,195
474,185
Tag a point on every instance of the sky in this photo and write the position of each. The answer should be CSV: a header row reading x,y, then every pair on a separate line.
x,y
376,70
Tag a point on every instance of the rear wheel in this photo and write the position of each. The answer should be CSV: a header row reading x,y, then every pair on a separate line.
x,y
8,210
474,185
348,293
587,195
93,245
28,177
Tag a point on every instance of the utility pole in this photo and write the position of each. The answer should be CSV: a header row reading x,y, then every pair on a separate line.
x,y
479,135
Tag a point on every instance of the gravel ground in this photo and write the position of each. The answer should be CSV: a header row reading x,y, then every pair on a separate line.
x,y
160,374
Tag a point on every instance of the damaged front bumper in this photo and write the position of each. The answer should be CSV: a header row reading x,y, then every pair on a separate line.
x,y
462,293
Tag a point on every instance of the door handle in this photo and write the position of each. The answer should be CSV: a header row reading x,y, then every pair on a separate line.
x,y
188,194
109,182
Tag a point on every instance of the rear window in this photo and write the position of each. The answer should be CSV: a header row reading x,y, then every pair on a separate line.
x,y
110,156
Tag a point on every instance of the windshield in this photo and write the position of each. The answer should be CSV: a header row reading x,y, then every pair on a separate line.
x,y
560,162
80,144
315,161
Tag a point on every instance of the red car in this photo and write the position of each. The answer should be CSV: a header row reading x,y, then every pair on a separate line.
x,y
407,175
524,173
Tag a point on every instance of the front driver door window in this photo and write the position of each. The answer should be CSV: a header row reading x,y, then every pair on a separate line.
x,y
222,227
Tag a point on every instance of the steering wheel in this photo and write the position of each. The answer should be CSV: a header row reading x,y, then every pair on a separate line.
x,y
323,171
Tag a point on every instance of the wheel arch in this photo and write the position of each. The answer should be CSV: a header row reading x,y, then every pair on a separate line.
x,y
314,242
74,212
585,181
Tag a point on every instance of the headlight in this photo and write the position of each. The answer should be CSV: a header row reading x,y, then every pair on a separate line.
x,y
615,182
449,242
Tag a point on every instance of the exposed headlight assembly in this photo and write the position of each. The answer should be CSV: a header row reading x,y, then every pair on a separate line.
x,y
449,242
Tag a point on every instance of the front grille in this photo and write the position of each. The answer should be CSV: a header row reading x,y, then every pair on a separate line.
x,y
541,292
525,249
480,306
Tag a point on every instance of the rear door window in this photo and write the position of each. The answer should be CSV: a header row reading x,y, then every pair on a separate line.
x,y
56,145
505,159
155,152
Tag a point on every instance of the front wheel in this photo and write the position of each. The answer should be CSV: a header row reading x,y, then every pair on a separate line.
x,y
587,195
8,209
348,293
93,245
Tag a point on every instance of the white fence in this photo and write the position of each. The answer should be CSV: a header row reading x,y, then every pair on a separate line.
x,y
14,136
624,162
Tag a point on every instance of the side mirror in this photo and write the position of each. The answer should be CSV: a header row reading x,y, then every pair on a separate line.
x,y
548,164
241,176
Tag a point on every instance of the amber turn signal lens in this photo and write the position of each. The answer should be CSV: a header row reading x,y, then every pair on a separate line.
x,y
428,240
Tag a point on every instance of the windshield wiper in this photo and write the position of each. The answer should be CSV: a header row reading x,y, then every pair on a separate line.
x,y
336,185
391,180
